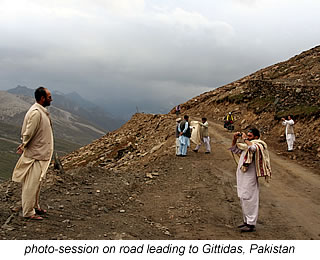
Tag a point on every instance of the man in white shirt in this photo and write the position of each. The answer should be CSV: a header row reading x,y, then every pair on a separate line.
x,y
289,132
254,162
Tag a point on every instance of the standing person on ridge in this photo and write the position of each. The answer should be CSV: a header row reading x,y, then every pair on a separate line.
x,y
36,151
178,110
289,132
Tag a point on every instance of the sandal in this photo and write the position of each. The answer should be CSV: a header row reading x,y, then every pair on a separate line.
x,y
34,217
40,211
248,228
242,225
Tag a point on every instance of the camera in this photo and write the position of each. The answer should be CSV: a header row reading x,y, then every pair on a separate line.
x,y
239,134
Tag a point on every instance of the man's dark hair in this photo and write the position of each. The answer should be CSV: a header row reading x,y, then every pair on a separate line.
x,y
40,92
255,132
186,117
204,119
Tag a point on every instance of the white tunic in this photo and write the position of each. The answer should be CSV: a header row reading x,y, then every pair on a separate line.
x,y
247,188
289,136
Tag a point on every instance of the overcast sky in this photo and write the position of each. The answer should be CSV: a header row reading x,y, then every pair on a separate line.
x,y
148,53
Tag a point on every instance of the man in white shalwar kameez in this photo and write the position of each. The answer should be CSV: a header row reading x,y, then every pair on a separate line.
x,y
289,132
36,151
248,171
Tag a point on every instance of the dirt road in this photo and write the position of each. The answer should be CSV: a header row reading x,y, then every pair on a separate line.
x,y
292,195
199,197
171,198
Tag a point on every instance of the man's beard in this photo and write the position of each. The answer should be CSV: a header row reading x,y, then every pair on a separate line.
x,y
46,103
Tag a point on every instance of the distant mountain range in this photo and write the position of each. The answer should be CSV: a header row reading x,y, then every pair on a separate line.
x,y
77,105
76,122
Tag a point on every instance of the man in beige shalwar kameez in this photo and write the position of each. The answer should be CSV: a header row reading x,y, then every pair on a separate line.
x,y
36,151
204,136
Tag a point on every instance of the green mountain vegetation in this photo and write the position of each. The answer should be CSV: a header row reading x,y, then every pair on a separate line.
x,y
9,141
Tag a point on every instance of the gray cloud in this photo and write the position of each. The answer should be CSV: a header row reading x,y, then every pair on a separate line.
x,y
151,53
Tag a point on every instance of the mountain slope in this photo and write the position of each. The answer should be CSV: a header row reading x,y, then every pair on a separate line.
x,y
9,141
262,98
65,124
130,185
78,106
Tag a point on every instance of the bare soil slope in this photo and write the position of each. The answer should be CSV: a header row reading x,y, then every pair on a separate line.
x,y
170,198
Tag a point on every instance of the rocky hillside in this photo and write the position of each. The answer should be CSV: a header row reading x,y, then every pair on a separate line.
x,y
288,88
260,99
136,144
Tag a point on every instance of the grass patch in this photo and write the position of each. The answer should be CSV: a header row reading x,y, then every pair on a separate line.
x,y
237,98
63,147
9,158
261,104
299,111
7,146
7,163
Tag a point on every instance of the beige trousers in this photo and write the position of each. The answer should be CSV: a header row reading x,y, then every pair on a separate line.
x,y
31,190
